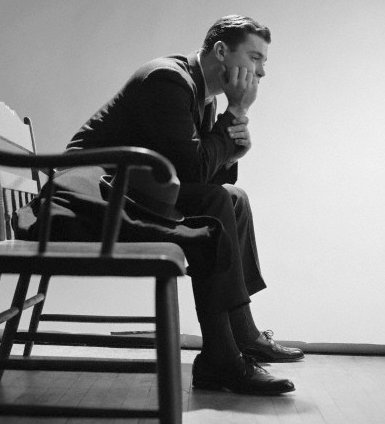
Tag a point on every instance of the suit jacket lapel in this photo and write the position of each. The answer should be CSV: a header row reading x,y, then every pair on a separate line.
x,y
197,76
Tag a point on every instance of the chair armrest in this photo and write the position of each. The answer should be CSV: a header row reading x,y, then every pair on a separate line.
x,y
125,156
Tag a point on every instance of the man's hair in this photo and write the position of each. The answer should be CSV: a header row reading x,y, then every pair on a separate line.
x,y
233,30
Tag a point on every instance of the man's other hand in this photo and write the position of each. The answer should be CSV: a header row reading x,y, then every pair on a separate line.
x,y
241,136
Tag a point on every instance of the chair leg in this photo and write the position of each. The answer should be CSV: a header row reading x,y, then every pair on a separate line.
x,y
168,351
36,312
13,324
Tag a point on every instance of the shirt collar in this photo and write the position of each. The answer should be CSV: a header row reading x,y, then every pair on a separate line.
x,y
208,98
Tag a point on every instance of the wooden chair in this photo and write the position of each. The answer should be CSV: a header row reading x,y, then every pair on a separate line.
x,y
163,261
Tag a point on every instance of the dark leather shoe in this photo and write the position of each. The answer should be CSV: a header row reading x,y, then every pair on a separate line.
x,y
266,349
241,376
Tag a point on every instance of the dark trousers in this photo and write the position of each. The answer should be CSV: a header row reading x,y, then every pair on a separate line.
x,y
230,204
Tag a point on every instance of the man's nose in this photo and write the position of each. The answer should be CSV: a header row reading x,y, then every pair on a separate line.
x,y
260,72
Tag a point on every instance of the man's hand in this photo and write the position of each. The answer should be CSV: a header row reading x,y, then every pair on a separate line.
x,y
241,136
240,86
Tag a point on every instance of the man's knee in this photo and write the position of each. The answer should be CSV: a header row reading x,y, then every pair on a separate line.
x,y
220,194
204,199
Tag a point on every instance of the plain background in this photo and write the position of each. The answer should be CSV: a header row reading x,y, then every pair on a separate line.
x,y
315,175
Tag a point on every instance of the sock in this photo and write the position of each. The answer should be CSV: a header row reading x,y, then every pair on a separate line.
x,y
219,346
242,324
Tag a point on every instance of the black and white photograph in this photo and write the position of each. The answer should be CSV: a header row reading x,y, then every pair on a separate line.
x,y
192,202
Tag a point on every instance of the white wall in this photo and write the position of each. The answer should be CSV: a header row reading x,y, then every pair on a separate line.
x,y
315,175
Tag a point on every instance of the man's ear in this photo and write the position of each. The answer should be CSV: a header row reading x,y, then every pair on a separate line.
x,y
220,50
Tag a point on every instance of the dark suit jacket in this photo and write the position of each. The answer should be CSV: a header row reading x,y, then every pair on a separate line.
x,y
162,107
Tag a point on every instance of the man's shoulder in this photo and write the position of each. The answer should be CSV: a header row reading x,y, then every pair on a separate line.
x,y
174,62
175,66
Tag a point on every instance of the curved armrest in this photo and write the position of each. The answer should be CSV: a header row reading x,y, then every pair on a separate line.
x,y
125,156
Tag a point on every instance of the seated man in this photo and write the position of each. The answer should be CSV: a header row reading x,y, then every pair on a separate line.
x,y
169,106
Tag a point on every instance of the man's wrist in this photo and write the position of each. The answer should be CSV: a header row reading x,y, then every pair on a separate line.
x,y
237,111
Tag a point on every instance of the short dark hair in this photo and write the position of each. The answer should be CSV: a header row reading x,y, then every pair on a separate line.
x,y
233,30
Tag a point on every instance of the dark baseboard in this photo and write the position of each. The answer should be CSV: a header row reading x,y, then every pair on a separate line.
x,y
195,342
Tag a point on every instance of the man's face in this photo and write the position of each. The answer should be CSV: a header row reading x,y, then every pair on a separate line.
x,y
252,54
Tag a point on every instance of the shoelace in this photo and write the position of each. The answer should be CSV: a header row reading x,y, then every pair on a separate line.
x,y
268,334
251,365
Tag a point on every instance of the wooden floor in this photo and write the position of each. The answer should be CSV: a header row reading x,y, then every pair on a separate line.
x,y
330,389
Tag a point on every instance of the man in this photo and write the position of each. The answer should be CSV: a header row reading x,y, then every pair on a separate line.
x,y
169,106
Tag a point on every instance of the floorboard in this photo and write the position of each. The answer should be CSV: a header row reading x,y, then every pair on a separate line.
x,y
331,389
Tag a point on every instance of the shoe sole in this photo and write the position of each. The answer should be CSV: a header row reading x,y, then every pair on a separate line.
x,y
209,385
276,361
260,359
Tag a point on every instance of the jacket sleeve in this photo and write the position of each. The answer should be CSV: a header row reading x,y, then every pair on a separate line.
x,y
166,119
226,176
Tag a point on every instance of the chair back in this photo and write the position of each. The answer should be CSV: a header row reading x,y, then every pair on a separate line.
x,y
15,135
17,185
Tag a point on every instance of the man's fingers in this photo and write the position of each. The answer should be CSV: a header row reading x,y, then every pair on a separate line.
x,y
240,136
241,120
235,130
233,75
242,74
249,78
243,142
238,127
